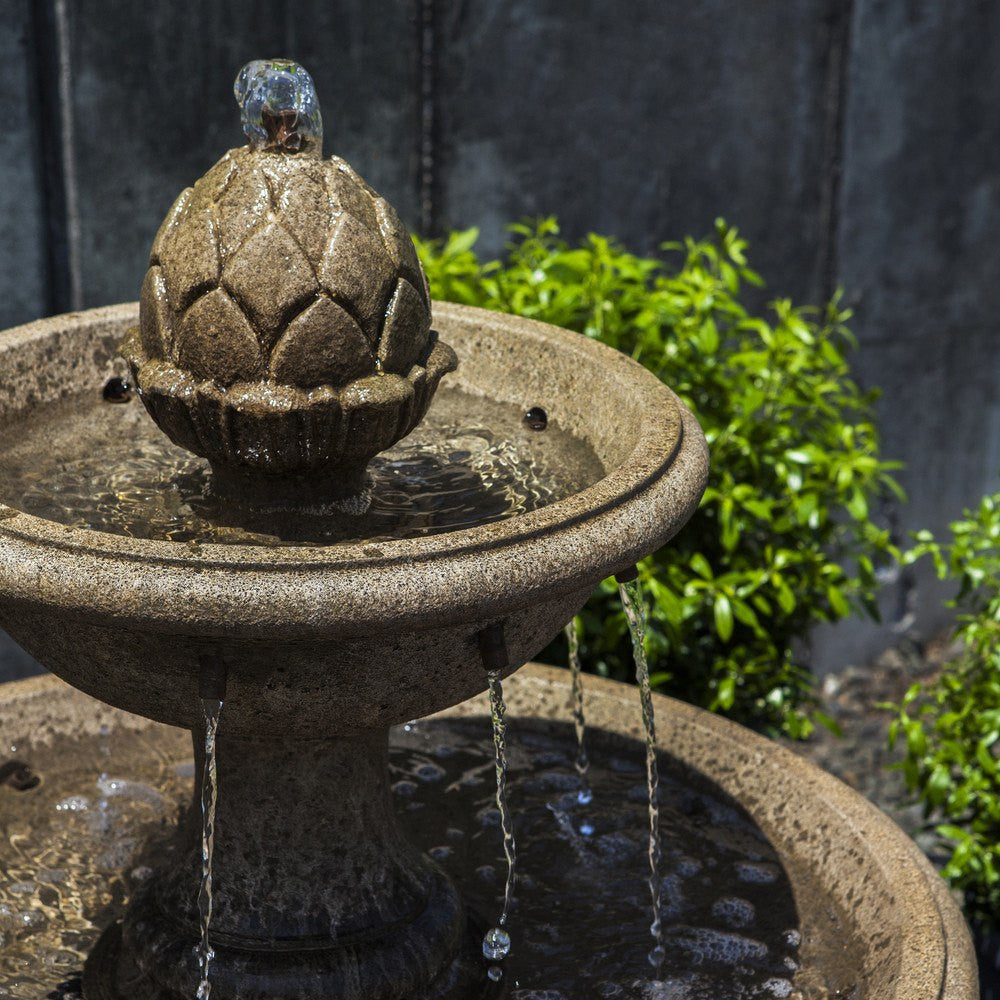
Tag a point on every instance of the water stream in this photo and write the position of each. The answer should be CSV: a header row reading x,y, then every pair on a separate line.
x,y
585,795
496,942
635,612
209,797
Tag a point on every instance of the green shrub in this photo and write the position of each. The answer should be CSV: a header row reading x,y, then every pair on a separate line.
x,y
951,725
794,453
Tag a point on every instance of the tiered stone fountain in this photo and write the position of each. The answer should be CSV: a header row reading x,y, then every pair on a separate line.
x,y
285,335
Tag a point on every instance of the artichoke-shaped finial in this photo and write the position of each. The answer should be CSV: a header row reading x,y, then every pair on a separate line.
x,y
285,318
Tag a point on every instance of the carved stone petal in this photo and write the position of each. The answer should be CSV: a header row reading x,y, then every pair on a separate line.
x,y
400,247
322,346
169,224
245,204
349,193
271,279
405,334
304,211
357,271
190,258
215,341
213,184
155,318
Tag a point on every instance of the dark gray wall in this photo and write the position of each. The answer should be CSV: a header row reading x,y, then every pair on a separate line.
x,y
854,142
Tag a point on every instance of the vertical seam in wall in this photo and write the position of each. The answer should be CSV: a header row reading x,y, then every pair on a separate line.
x,y
68,157
836,94
427,39
45,67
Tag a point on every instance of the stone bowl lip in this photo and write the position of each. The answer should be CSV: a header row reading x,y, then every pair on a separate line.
x,y
584,537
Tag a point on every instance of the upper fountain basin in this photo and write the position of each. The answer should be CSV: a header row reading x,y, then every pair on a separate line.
x,y
356,635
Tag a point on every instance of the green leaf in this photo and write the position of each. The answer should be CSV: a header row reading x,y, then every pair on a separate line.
x,y
723,617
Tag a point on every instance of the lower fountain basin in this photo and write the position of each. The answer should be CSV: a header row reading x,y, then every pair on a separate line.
x,y
876,921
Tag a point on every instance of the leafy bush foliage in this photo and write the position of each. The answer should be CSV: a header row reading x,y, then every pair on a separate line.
x,y
794,453
951,725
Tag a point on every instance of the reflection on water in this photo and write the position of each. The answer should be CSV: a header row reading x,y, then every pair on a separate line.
x,y
472,461
73,847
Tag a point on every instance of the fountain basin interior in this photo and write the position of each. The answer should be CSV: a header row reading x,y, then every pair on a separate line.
x,y
875,920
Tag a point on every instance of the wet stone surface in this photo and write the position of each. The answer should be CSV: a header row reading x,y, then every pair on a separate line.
x,y
73,848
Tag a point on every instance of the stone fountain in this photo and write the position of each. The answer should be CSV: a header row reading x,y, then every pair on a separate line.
x,y
285,335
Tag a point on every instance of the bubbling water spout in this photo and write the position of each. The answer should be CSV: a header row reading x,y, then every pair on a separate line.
x,y
635,613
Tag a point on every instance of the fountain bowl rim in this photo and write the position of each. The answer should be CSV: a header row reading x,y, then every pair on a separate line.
x,y
633,510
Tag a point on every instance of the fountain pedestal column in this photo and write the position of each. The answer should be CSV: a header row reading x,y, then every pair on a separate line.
x,y
316,892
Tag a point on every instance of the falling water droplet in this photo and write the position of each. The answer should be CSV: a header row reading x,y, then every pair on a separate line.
x,y
536,419
117,390
496,944
495,937
209,796
635,612
584,796
495,973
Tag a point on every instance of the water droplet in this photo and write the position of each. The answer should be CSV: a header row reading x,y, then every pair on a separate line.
x,y
656,956
496,944
495,973
117,390
536,419
587,829
585,796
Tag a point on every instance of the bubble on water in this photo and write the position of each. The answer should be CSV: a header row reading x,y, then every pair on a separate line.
x,y
430,772
496,944
705,944
73,803
440,853
454,833
687,867
792,938
490,816
672,896
780,988
405,787
30,920
487,873
734,912
758,872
